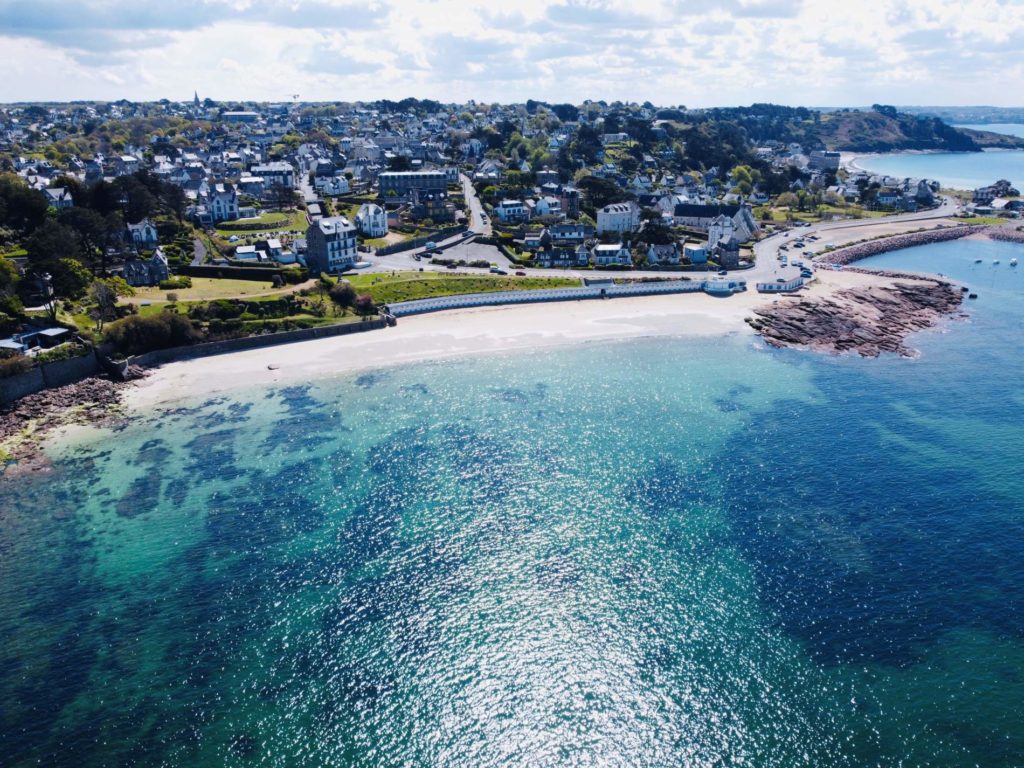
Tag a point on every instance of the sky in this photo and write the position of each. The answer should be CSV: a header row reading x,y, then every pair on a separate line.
x,y
697,53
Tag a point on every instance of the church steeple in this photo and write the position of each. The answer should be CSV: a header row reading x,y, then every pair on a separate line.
x,y
196,100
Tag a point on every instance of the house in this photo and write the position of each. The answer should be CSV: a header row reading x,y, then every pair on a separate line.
x,y
372,220
512,211
535,241
144,235
331,245
700,217
570,234
824,160
663,254
723,242
147,272
279,174
549,206
59,198
695,254
612,255
222,203
618,218
400,184
247,253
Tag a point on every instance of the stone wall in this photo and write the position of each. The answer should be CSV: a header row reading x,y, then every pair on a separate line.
x,y
55,374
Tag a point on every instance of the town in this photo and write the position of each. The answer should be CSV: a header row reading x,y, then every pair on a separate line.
x,y
147,225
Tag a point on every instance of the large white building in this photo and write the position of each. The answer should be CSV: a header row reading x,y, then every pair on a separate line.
x,y
372,220
618,218
331,245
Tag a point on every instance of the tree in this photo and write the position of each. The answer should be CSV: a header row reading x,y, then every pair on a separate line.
x,y
399,163
104,297
10,304
343,296
364,305
49,244
70,278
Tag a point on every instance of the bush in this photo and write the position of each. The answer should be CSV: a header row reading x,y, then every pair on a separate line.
x,y
12,363
176,283
136,334
172,298
62,352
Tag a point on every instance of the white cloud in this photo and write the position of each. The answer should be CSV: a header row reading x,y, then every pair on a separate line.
x,y
695,52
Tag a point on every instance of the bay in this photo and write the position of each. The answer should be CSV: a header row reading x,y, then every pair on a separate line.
x,y
661,552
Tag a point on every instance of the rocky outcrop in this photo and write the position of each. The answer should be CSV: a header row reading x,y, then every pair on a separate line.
x,y
1006,234
26,421
865,320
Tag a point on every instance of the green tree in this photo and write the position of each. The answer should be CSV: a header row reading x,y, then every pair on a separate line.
x,y
343,296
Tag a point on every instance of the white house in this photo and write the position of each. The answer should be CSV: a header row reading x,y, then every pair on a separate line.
x,y
222,203
372,220
512,211
549,206
608,255
663,254
144,235
619,218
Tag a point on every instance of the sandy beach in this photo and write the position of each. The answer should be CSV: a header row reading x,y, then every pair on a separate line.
x,y
456,333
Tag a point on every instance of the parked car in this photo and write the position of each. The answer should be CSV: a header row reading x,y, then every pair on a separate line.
x,y
520,274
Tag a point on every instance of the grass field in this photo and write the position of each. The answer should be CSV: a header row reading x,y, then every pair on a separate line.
x,y
406,286
273,221
205,288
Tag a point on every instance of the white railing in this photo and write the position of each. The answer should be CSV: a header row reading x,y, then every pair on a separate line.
x,y
418,306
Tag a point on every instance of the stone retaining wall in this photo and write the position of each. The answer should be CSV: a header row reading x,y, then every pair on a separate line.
x,y
55,374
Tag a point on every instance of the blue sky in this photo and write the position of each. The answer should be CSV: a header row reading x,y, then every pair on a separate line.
x,y
692,52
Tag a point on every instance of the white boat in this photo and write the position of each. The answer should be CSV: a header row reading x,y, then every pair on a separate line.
x,y
995,261
1013,262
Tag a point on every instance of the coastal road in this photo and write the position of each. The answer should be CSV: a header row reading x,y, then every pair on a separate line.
x,y
767,250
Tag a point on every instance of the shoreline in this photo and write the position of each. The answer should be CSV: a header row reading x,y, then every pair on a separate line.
x,y
455,334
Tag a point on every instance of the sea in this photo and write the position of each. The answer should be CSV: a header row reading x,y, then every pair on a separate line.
x,y
664,552
955,170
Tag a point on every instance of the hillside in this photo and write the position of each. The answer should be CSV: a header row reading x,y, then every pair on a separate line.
x,y
884,130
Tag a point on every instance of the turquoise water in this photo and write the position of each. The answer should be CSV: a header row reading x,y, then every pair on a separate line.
x,y
656,553
957,170
1010,129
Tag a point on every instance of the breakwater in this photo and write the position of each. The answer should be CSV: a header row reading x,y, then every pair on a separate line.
x,y
850,254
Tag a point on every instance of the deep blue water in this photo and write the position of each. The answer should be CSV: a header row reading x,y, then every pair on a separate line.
x,y
649,553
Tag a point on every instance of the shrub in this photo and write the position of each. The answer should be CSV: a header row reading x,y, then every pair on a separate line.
x,y
136,334
176,283
172,297
12,363
62,352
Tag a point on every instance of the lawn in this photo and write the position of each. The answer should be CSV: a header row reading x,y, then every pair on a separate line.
x,y
981,220
274,221
205,288
406,286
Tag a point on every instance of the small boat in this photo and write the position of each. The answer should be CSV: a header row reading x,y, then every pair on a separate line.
x,y
972,296
977,261
994,262
1013,262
